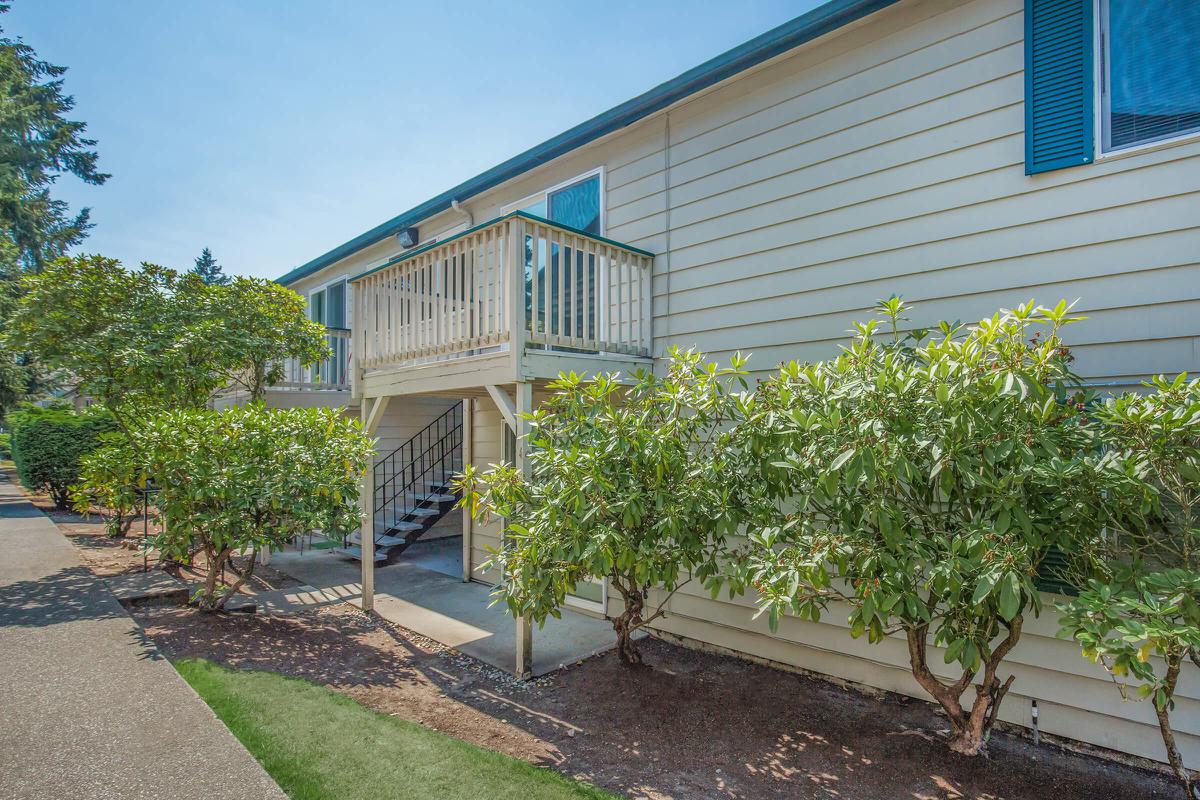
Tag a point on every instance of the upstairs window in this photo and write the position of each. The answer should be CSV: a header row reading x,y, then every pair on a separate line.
x,y
1149,71
575,204
327,305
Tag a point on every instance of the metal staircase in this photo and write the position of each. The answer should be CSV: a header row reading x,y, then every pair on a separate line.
x,y
412,487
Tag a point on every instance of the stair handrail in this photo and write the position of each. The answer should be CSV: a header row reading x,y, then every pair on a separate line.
x,y
448,425
455,410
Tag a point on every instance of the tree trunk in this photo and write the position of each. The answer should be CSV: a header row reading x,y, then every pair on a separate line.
x,y
242,578
208,601
972,730
628,621
122,524
258,383
969,730
626,649
61,498
1189,779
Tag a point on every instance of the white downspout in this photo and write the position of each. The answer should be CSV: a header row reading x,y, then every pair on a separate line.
x,y
461,209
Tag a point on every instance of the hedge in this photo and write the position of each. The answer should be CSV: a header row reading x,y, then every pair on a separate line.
x,y
47,444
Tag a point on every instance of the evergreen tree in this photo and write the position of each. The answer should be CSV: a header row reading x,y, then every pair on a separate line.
x,y
209,270
37,144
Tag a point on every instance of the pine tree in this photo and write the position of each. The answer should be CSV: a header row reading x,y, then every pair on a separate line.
x,y
37,144
209,270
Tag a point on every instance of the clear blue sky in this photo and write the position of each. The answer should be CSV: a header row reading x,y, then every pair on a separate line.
x,y
274,130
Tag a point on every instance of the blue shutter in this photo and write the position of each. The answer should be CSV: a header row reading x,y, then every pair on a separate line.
x,y
1059,126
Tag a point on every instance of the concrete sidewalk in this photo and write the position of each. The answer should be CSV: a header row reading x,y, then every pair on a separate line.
x,y
88,709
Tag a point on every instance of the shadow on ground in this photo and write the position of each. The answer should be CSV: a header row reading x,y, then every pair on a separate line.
x,y
17,508
692,725
67,595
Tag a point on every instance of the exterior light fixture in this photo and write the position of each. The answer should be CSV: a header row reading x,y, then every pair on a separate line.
x,y
408,237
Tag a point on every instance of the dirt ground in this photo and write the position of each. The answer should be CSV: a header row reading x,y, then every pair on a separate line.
x,y
689,726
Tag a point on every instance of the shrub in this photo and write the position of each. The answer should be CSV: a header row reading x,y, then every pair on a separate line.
x,y
240,479
49,443
627,482
1139,615
5,446
921,481
151,339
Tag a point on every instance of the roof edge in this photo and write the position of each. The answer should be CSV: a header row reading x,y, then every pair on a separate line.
x,y
804,28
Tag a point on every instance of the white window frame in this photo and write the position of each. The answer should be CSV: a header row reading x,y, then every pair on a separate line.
x,y
347,314
348,311
545,194
1100,98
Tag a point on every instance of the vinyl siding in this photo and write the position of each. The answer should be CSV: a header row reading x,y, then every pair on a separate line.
x,y
404,417
886,158
890,159
487,436
487,448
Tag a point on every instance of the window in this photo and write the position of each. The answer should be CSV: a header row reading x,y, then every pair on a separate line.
x,y
577,203
327,305
1149,71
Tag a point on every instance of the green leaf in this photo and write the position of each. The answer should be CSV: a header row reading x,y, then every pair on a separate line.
x,y
1010,596
983,588
841,460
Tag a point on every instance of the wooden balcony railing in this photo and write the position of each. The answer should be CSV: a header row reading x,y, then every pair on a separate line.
x,y
566,290
332,373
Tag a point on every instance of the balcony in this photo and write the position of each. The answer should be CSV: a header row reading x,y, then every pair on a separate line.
x,y
519,297
330,374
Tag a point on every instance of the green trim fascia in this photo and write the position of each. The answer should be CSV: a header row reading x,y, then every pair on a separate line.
x,y
804,28
522,214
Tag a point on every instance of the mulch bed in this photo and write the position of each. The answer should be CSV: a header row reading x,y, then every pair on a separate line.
x,y
691,725
106,556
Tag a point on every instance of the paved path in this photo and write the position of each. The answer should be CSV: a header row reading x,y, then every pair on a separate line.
x,y
88,709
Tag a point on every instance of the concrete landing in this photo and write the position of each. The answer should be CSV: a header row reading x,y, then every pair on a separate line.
x,y
145,588
89,709
447,610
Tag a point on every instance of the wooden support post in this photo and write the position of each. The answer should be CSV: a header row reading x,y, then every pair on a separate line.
x,y
524,405
358,338
468,453
515,276
372,409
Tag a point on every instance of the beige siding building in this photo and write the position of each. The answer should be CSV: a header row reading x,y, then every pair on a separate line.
x,y
762,203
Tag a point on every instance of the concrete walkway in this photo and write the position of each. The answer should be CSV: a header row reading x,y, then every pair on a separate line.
x,y
88,709
443,608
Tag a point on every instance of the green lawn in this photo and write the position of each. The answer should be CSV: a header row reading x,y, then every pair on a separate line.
x,y
319,745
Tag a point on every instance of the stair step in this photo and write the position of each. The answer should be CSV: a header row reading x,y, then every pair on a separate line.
x,y
416,512
403,526
355,552
381,540
434,497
